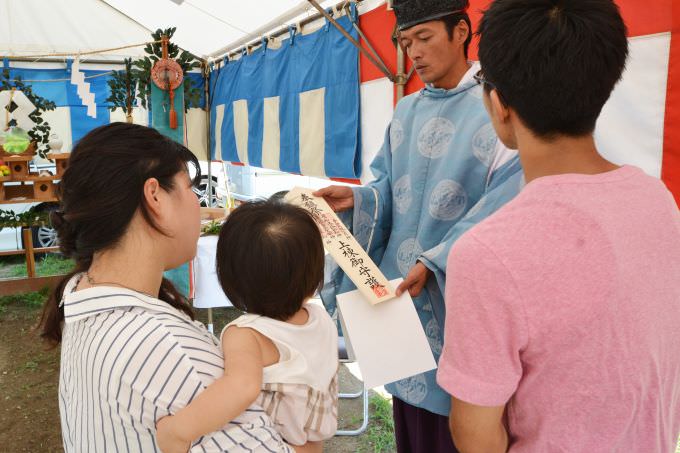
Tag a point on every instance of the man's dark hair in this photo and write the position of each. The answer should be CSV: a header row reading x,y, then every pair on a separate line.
x,y
452,21
555,62
270,258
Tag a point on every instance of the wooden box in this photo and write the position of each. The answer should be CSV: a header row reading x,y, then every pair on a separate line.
x,y
44,188
18,165
210,214
19,192
60,161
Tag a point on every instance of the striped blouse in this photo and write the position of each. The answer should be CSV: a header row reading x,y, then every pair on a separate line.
x,y
126,361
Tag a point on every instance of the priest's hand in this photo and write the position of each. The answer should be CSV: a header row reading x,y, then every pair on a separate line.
x,y
340,198
415,280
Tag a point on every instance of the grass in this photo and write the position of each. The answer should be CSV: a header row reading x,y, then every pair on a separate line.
x,y
379,436
50,264
32,300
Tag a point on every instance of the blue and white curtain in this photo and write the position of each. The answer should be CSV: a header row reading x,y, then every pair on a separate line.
x,y
294,108
71,113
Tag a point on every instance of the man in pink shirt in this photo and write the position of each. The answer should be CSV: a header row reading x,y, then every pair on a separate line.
x,y
563,308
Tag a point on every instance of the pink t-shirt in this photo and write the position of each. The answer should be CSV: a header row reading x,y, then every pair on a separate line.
x,y
565,304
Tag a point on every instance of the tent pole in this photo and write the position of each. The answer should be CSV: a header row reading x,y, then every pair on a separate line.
x,y
383,66
206,88
400,79
61,60
351,39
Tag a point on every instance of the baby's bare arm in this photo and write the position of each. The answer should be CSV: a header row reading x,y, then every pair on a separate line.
x,y
224,399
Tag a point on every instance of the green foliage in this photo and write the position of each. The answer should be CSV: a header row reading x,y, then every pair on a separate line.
x,y
31,365
142,71
32,217
41,132
32,300
379,437
213,228
50,264
123,87
54,264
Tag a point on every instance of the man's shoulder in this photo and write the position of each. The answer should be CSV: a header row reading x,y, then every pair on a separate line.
x,y
524,216
406,102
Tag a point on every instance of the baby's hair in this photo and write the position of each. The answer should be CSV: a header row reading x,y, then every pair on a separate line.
x,y
270,258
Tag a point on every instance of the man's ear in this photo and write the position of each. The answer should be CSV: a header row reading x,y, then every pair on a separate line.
x,y
498,108
152,192
461,31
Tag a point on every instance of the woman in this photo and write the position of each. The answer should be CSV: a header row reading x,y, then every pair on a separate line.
x,y
131,352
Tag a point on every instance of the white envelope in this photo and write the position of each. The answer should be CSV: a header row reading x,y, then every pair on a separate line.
x,y
208,292
387,339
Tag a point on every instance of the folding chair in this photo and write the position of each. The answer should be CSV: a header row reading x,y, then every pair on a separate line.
x,y
363,393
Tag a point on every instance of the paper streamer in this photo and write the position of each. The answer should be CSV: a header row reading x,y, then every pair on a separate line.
x,y
83,88
24,108
342,246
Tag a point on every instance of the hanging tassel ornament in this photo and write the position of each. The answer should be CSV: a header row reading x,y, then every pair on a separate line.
x,y
167,74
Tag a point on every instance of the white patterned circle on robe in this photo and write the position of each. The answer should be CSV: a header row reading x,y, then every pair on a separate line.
x,y
448,200
435,137
396,134
433,336
407,253
484,144
402,194
413,389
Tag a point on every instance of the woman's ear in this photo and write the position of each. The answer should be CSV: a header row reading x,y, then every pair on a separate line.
x,y
152,195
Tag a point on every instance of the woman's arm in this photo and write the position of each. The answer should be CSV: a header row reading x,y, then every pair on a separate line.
x,y
223,400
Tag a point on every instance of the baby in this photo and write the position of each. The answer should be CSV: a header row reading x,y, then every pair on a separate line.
x,y
283,353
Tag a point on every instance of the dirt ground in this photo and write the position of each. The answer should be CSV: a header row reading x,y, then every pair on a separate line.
x,y
29,376
29,373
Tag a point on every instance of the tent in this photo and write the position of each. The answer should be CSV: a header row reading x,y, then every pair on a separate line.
x,y
639,125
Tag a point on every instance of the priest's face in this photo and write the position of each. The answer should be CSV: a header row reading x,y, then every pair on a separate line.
x,y
434,52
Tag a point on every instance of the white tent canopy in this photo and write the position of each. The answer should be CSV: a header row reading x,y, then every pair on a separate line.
x,y
43,34
38,27
204,27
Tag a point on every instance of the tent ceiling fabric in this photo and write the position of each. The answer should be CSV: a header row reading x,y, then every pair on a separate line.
x,y
37,27
206,26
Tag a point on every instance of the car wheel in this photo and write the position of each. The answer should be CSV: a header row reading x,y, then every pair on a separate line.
x,y
44,236
201,192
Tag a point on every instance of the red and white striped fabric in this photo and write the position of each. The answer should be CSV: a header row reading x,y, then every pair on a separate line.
x,y
640,125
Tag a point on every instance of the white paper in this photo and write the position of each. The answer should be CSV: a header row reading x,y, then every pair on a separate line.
x,y
21,114
208,292
83,88
387,339
343,247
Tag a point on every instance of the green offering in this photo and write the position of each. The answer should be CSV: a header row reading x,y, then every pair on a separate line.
x,y
17,141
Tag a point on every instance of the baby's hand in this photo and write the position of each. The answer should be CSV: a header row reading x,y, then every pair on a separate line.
x,y
168,439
